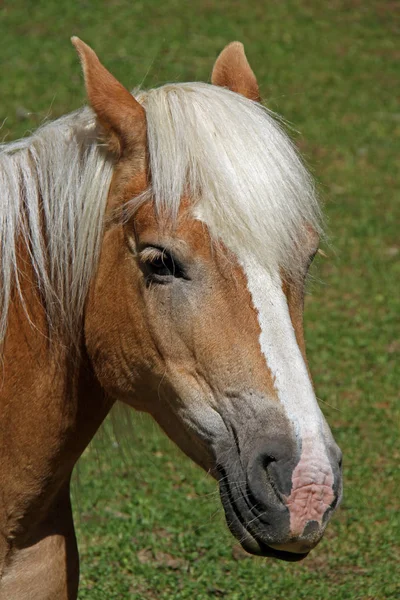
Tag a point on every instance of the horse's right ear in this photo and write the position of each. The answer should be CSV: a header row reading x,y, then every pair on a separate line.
x,y
232,70
123,118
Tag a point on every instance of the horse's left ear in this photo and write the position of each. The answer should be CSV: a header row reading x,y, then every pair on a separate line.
x,y
123,118
232,70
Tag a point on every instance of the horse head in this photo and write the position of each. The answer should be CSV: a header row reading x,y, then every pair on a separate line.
x,y
195,312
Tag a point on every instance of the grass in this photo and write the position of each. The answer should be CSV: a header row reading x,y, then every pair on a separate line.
x,y
149,523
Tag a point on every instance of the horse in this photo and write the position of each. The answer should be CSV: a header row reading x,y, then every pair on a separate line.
x,y
154,251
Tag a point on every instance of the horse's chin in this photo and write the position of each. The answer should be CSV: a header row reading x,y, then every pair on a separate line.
x,y
258,548
249,540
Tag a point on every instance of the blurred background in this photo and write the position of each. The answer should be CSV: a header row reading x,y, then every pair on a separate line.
x,y
150,524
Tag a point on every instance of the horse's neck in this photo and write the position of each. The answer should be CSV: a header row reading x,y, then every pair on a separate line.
x,y
51,405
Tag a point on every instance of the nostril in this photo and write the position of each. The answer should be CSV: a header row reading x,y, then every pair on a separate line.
x,y
333,504
336,456
279,474
340,460
269,466
264,482
267,461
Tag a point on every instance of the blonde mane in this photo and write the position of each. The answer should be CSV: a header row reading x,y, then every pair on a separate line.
x,y
227,153
232,158
53,189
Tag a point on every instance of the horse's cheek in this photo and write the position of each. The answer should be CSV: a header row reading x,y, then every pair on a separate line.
x,y
117,340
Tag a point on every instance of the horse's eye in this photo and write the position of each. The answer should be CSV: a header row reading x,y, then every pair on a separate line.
x,y
163,265
159,265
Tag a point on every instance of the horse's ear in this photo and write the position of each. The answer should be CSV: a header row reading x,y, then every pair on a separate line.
x,y
123,118
231,70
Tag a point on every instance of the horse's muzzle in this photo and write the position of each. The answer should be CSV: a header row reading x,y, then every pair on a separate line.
x,y
273,506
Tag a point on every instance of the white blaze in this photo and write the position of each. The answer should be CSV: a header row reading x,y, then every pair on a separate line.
x,y
312,478
280,349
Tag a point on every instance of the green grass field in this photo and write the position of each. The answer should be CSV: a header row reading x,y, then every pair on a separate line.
x,y
150,524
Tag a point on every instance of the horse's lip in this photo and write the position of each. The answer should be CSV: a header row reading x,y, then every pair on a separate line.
x,y
267,551
250,541
260,548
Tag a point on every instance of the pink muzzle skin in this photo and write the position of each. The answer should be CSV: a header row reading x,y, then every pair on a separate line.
x,y
312,488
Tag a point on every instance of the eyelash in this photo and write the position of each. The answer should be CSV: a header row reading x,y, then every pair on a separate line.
x,y
159,264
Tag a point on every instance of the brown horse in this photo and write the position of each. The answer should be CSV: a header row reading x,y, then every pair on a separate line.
x,y
163,267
